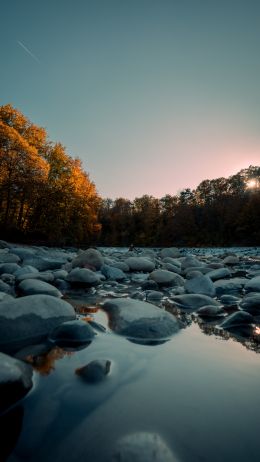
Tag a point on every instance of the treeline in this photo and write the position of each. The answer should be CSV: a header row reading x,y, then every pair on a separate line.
x,y
45,195
220,212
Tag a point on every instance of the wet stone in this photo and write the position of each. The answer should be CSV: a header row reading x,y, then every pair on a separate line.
x,y
95,371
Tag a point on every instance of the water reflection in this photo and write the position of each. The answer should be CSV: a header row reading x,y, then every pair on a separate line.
x,y
45,364
10,429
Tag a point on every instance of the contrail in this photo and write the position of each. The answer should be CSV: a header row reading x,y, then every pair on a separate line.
x,y
29,52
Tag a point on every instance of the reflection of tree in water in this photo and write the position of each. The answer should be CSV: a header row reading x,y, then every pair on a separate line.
x,y
45,364
247,335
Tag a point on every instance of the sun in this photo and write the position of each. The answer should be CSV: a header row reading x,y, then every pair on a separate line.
x,y
251,184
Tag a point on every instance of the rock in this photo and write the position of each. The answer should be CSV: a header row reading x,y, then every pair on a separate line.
x,y
9,268
121,265
229,286
219,273
253,285
91,259
142,447
5,287
15,380
140,320
4,245
5,296
32,287
8,278
171,252
192,302
190,262
166,278
83,277
29,319
71,333
60,274
45,277
9,258
23,253
44,263
251,303
140,264
240,318
231,260
95,371
170,267
113,273
154,295
27,269
172,261
149,285
210,311
200,285
229,300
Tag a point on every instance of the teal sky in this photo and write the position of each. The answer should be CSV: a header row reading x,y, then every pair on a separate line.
x,y
153,95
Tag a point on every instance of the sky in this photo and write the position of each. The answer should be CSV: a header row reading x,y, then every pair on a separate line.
x,y
154,96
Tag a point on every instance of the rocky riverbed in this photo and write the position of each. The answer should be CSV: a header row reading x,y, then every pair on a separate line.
x,y
148,355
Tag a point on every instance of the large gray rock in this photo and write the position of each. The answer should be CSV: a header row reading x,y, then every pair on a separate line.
x,y
240,318
171,252
253,285
72,333
251,303
23,252
33,286
219,273
229,286
91,259
191,262
83,277
200,285
25,270
15,380
140,264
192,302
9,268
166,278
142,447
41,276
120,265
9,258
44,263
231,260
140,320
26,320
112,273
5,287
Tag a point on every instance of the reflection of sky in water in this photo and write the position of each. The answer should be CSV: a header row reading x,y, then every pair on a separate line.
x,y
199,392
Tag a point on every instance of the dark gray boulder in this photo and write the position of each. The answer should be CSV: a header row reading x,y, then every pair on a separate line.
x,y
112,273
140,320
72,333
140,264
34,286
90,258
15,380
210,311
95,371
83,277
166,278
29,319
192,302
240,318
251,303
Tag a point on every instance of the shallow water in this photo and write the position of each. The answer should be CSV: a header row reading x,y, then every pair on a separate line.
x,y
199,392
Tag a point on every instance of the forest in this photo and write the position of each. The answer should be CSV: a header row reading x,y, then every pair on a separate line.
x,y
47,198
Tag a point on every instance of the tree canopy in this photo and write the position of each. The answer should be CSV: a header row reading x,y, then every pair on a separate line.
x,y
44,192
